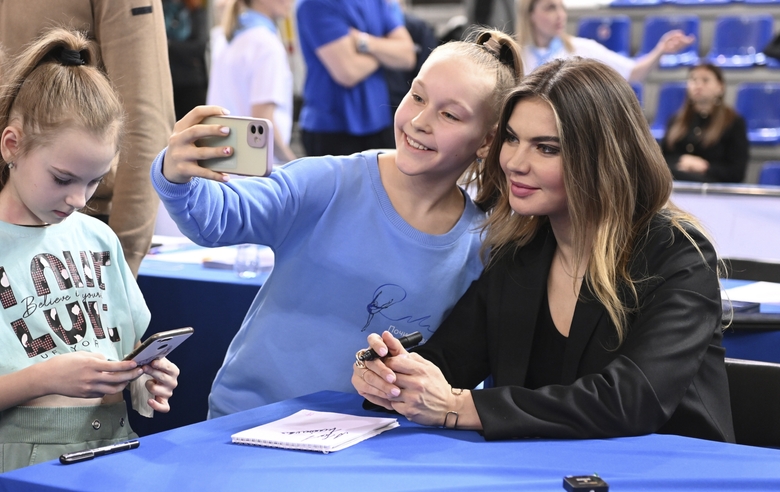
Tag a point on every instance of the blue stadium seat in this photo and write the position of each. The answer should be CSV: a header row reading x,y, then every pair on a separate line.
x,y
671,96
636,3
759,104
738,40
770,173
658,25
613,32
699,2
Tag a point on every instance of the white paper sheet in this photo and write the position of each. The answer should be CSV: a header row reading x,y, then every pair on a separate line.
x,y
762,292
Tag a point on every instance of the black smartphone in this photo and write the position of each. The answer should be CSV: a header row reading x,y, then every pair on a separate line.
x,y
159,345
585,483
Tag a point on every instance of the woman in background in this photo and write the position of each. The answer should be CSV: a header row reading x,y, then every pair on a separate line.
x,y
251,76
541,31
706,140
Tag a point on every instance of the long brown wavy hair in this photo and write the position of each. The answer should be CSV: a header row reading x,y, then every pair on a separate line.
x,y
615,176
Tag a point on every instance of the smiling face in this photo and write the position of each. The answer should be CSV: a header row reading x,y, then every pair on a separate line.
x,y
531,160
445,118
548,20
49,183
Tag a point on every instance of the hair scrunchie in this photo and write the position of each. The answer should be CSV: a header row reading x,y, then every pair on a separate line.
x,y
69,57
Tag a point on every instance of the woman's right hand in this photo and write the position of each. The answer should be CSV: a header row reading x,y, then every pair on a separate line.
x,y
374,382
88,375
181,158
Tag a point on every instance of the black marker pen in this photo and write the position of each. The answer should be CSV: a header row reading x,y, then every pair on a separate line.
x,y
68,458
407,342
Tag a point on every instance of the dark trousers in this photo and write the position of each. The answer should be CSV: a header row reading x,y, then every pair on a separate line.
x,y
321,143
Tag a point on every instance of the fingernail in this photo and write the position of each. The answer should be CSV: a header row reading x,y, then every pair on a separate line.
x,y
225,129
382,352
225,111
226,151
390,378
395,391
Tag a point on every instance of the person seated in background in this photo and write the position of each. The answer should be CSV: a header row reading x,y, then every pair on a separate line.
x,y
706,140
599,312
541,30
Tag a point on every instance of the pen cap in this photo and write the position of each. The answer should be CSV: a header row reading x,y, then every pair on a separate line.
x,y
411,340
67,459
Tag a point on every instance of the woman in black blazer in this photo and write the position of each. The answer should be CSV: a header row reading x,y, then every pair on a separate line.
x,y
599,310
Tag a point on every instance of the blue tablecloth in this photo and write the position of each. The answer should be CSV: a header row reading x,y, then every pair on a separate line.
x,y
408,458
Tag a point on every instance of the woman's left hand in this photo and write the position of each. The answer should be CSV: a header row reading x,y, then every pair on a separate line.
x,y
425,396
165,377
404,382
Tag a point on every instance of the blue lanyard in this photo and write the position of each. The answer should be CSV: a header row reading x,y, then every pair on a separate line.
x,y
250,19
542,56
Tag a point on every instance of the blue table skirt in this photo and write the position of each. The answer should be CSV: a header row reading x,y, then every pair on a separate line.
x,y
408,458
213,302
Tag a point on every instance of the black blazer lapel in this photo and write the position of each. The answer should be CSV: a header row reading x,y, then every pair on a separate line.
x,y
587,316
521,295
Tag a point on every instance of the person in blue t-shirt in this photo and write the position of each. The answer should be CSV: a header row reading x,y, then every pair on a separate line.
x,y
365,243
346,44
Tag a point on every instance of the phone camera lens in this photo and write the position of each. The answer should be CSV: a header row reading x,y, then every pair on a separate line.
x,y
252,128
259,130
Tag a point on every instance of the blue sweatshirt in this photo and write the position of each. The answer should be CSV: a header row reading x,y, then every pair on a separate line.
x,y
346,265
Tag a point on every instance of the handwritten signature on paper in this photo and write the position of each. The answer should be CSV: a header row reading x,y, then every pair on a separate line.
x,y
332,433
385,296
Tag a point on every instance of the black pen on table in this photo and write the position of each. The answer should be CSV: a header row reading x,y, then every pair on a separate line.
x,y
88,454
407,342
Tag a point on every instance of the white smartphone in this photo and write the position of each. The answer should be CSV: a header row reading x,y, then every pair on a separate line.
x,y
252,140
159,345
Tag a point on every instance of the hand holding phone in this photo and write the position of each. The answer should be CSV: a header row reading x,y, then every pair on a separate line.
x,y
252,140
159,345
